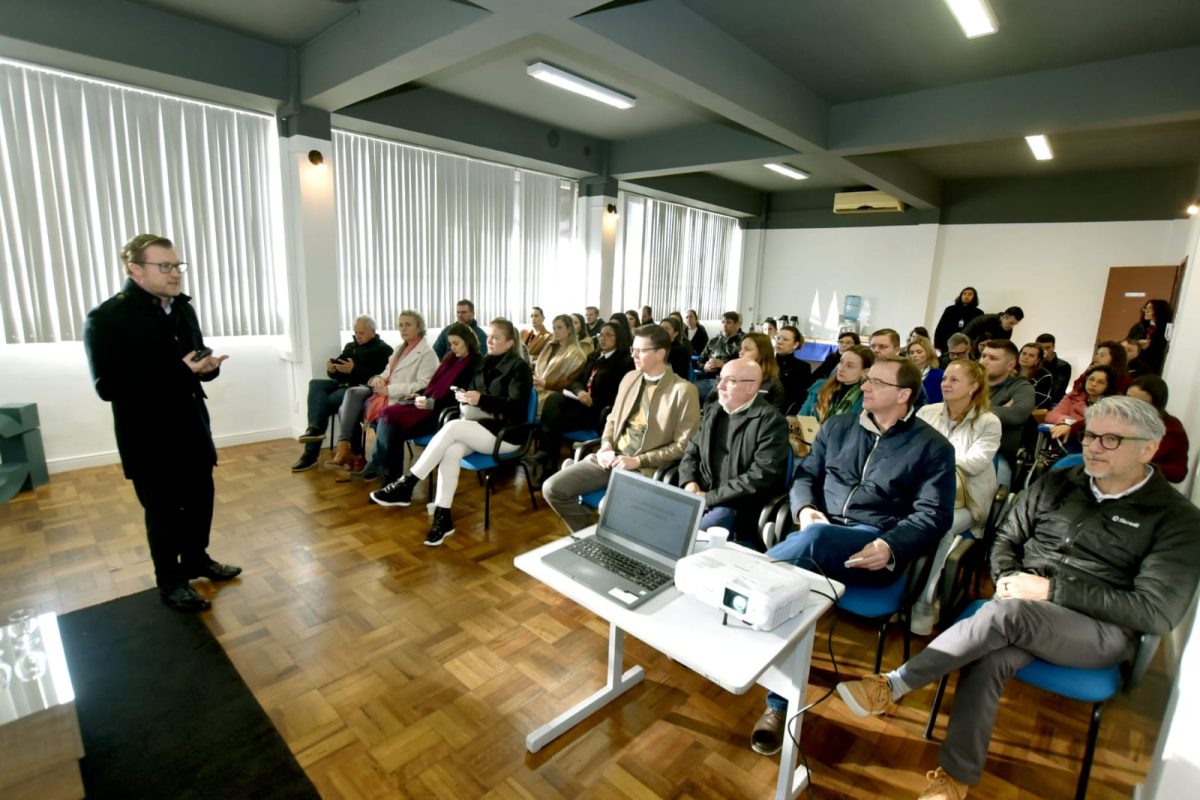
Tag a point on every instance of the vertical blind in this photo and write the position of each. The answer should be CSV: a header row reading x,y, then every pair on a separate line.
x,y
676,257
421,229
89,164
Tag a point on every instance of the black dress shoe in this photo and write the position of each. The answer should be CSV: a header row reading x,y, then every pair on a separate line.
x,y
184,598
307,461
312,435
215,571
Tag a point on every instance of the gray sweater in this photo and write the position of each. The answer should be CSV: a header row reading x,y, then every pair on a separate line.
x,y
1013,418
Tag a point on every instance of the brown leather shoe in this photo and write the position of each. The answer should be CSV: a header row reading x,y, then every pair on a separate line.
x,y
943,787
767,736
342,456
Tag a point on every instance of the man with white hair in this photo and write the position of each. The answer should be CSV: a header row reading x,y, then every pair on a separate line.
x,y
738,459
1089,557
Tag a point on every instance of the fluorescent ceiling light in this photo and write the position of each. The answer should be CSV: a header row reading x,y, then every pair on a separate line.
x,y
974,17
1040,147
791,172
573,83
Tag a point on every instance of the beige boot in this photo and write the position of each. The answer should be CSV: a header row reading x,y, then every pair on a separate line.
x,y
343,455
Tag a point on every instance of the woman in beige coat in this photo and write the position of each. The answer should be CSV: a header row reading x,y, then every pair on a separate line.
x,y
559,362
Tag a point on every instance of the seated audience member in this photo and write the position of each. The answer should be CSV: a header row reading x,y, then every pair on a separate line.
x,y
725,346
795,373
595,389
536,336
846,340
634,320
738,459
559,362
964,419
1067,417
407,372
842,392
581,334
1151,332
1059,369
647,315
955,318
363,356
498,397
655,414
592,318
696,333
464,312
756,347
1012,401
1029,366
987,327
920,331
622,320
920,352
679,357
1134,547
1172,456
770,328
958,346
885,342
1133,358
1108,354
877,491
403,420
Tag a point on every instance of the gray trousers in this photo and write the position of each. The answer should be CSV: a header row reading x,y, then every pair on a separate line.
x,y
354,406
1002,637
563,488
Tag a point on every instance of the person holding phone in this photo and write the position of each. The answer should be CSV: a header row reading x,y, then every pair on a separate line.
x,y
148,359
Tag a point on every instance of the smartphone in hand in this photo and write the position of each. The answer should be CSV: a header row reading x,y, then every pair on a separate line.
x,y
201,354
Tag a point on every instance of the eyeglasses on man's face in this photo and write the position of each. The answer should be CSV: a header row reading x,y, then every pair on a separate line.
x,y
726,379
877,382
1110,441
165,267
638,351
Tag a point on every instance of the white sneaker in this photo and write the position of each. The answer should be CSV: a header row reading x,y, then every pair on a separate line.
x,y
924,617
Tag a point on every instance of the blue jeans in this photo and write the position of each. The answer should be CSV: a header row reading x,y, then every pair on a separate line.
x,y
1004,472
324,398
719,517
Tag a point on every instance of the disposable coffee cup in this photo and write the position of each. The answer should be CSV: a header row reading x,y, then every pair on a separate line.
x,y
717,537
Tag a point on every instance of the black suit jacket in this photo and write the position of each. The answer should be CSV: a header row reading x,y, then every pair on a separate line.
x,y
135,351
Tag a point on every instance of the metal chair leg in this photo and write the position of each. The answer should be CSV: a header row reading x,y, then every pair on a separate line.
x,y
487,499
879,647
937,704
1089,752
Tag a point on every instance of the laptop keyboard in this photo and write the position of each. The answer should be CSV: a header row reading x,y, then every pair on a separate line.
x,y
618,563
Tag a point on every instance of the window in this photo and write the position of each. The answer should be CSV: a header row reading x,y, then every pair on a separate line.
x,y
90,164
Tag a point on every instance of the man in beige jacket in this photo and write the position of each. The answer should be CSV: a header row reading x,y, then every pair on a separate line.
x,y
655,414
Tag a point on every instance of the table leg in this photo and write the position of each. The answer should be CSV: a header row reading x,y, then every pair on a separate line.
x,y
789,677
618,684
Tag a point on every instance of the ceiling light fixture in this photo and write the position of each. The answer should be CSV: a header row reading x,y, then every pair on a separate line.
x,y
1040,147
1193,209
791,172
975,17
316,158
574,83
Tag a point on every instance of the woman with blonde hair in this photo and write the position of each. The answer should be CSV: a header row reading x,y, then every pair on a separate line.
x,y
559,362
964,418
920,352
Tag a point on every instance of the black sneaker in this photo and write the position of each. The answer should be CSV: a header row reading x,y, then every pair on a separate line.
x,y
307,461
396,493
443,526
183,598
312,434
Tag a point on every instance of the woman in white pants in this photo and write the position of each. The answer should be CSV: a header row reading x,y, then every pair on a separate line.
x,y
964,419
498,397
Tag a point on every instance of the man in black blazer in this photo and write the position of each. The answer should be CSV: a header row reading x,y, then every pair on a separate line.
x,y
148,358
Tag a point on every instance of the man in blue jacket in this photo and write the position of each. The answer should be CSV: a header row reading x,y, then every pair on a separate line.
x,y
464,312
875,492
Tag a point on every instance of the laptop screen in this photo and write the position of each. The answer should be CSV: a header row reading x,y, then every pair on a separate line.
x,y
649,513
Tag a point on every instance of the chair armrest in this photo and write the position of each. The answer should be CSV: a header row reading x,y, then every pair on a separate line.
x,y
668,474
527,427
583,449
447,415
770,515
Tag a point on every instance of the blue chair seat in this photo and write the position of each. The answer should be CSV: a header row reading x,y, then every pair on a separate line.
x,y
422,441
592,499
482,461
581,436
874,601
1068,461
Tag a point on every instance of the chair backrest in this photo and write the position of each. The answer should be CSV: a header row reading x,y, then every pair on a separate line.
x,y
532,416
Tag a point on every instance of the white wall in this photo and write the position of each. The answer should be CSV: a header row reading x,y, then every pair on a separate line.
x,y
249,402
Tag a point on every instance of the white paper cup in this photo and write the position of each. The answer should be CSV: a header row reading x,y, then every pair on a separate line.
x,y
717,537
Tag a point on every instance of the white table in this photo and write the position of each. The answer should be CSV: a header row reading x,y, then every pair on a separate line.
x,y
692,634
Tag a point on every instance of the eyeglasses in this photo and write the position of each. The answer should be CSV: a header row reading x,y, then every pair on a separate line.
x,y
637,351
1110,441
731,379
165,267
877,382
957,353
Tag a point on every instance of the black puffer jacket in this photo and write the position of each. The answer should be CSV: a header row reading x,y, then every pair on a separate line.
x,y
1133,561
504,384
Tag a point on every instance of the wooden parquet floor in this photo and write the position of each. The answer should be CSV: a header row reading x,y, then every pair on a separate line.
x,y
396,670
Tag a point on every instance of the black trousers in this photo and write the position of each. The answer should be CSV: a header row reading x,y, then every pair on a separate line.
x,y
179,511
561,414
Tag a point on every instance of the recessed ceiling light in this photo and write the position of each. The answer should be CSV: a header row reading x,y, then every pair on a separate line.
x,y
1040,147
974,17
1193,209
791,172
574,83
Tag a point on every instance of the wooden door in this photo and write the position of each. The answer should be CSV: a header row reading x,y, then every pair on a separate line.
x,y
1128,290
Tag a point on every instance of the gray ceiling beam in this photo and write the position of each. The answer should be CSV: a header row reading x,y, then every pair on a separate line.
x,y
1146,89
712,191
445,116
898,177
690,149
130,42
389,43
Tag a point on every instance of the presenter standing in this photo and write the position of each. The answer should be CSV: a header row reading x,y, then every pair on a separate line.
x,y
148,359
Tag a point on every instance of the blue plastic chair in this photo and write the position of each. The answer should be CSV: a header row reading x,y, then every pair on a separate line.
x,y
1068,461
1093,686
881,603
487,463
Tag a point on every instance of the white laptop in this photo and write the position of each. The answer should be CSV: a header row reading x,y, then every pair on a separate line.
x,y
644,528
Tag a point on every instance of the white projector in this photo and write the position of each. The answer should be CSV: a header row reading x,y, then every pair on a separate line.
x,y
745,584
